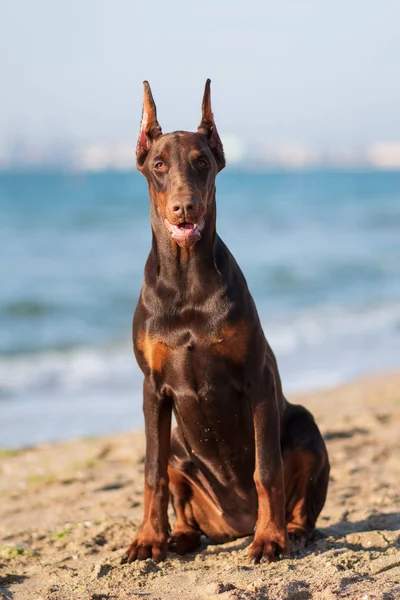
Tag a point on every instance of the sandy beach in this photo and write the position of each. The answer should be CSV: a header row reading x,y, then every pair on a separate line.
x,y
68,511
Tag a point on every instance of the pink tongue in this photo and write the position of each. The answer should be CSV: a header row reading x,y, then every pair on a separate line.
x,y
185,226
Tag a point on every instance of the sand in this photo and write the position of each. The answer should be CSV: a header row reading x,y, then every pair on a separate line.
x,y
68,511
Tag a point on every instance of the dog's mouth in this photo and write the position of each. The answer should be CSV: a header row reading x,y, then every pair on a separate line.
x,y
185,233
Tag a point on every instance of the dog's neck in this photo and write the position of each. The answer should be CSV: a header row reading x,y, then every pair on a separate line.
x,y
184,271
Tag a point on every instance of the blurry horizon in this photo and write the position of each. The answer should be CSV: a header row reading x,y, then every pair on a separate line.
x,y
293,75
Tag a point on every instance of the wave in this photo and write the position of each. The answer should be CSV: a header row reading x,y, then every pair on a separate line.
x,y
70,371
318,326
26,309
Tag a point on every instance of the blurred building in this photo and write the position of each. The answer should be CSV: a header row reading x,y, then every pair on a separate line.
x,y
385,155
234,149
290,155
102,156
95,156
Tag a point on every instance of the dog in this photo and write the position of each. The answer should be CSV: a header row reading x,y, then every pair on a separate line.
x,y
242,459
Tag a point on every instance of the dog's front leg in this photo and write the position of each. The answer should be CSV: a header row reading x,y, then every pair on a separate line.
x,y
271,537
151,539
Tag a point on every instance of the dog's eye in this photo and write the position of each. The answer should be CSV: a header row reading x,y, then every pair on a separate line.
x,y
159,165
202,164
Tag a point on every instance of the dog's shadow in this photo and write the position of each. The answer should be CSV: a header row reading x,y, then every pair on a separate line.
x,y
335,534
6,581
324,538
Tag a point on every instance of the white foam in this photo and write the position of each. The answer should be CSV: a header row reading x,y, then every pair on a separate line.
x,y
75,370
319,326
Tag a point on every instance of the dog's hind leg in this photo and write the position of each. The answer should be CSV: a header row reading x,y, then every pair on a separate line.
x,y
306,472
186,534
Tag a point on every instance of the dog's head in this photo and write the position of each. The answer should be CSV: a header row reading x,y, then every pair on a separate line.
x,y
180,168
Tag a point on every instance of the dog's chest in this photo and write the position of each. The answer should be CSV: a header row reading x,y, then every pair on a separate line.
x,y
189,349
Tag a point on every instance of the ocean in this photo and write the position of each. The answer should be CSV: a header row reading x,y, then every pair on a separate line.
x,y
320,251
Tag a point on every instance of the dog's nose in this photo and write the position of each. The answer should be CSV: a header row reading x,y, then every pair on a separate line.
x,y
183,206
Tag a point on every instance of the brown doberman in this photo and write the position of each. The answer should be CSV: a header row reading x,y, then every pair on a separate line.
x,y
242,459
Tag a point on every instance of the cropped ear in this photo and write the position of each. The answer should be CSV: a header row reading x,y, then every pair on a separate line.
x,y
207,127
149,128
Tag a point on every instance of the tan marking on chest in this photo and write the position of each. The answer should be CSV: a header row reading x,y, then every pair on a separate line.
x,y
155,352
233,342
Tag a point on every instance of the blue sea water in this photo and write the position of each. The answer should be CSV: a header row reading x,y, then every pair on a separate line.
x,y
320,250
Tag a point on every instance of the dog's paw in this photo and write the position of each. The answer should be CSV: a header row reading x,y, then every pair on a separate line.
x,y
298,537
183,542
266,549
143,548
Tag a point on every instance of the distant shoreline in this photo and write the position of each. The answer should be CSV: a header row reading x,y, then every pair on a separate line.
x,y
251,168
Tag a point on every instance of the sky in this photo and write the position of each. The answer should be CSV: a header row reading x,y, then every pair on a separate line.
x,y
311,71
